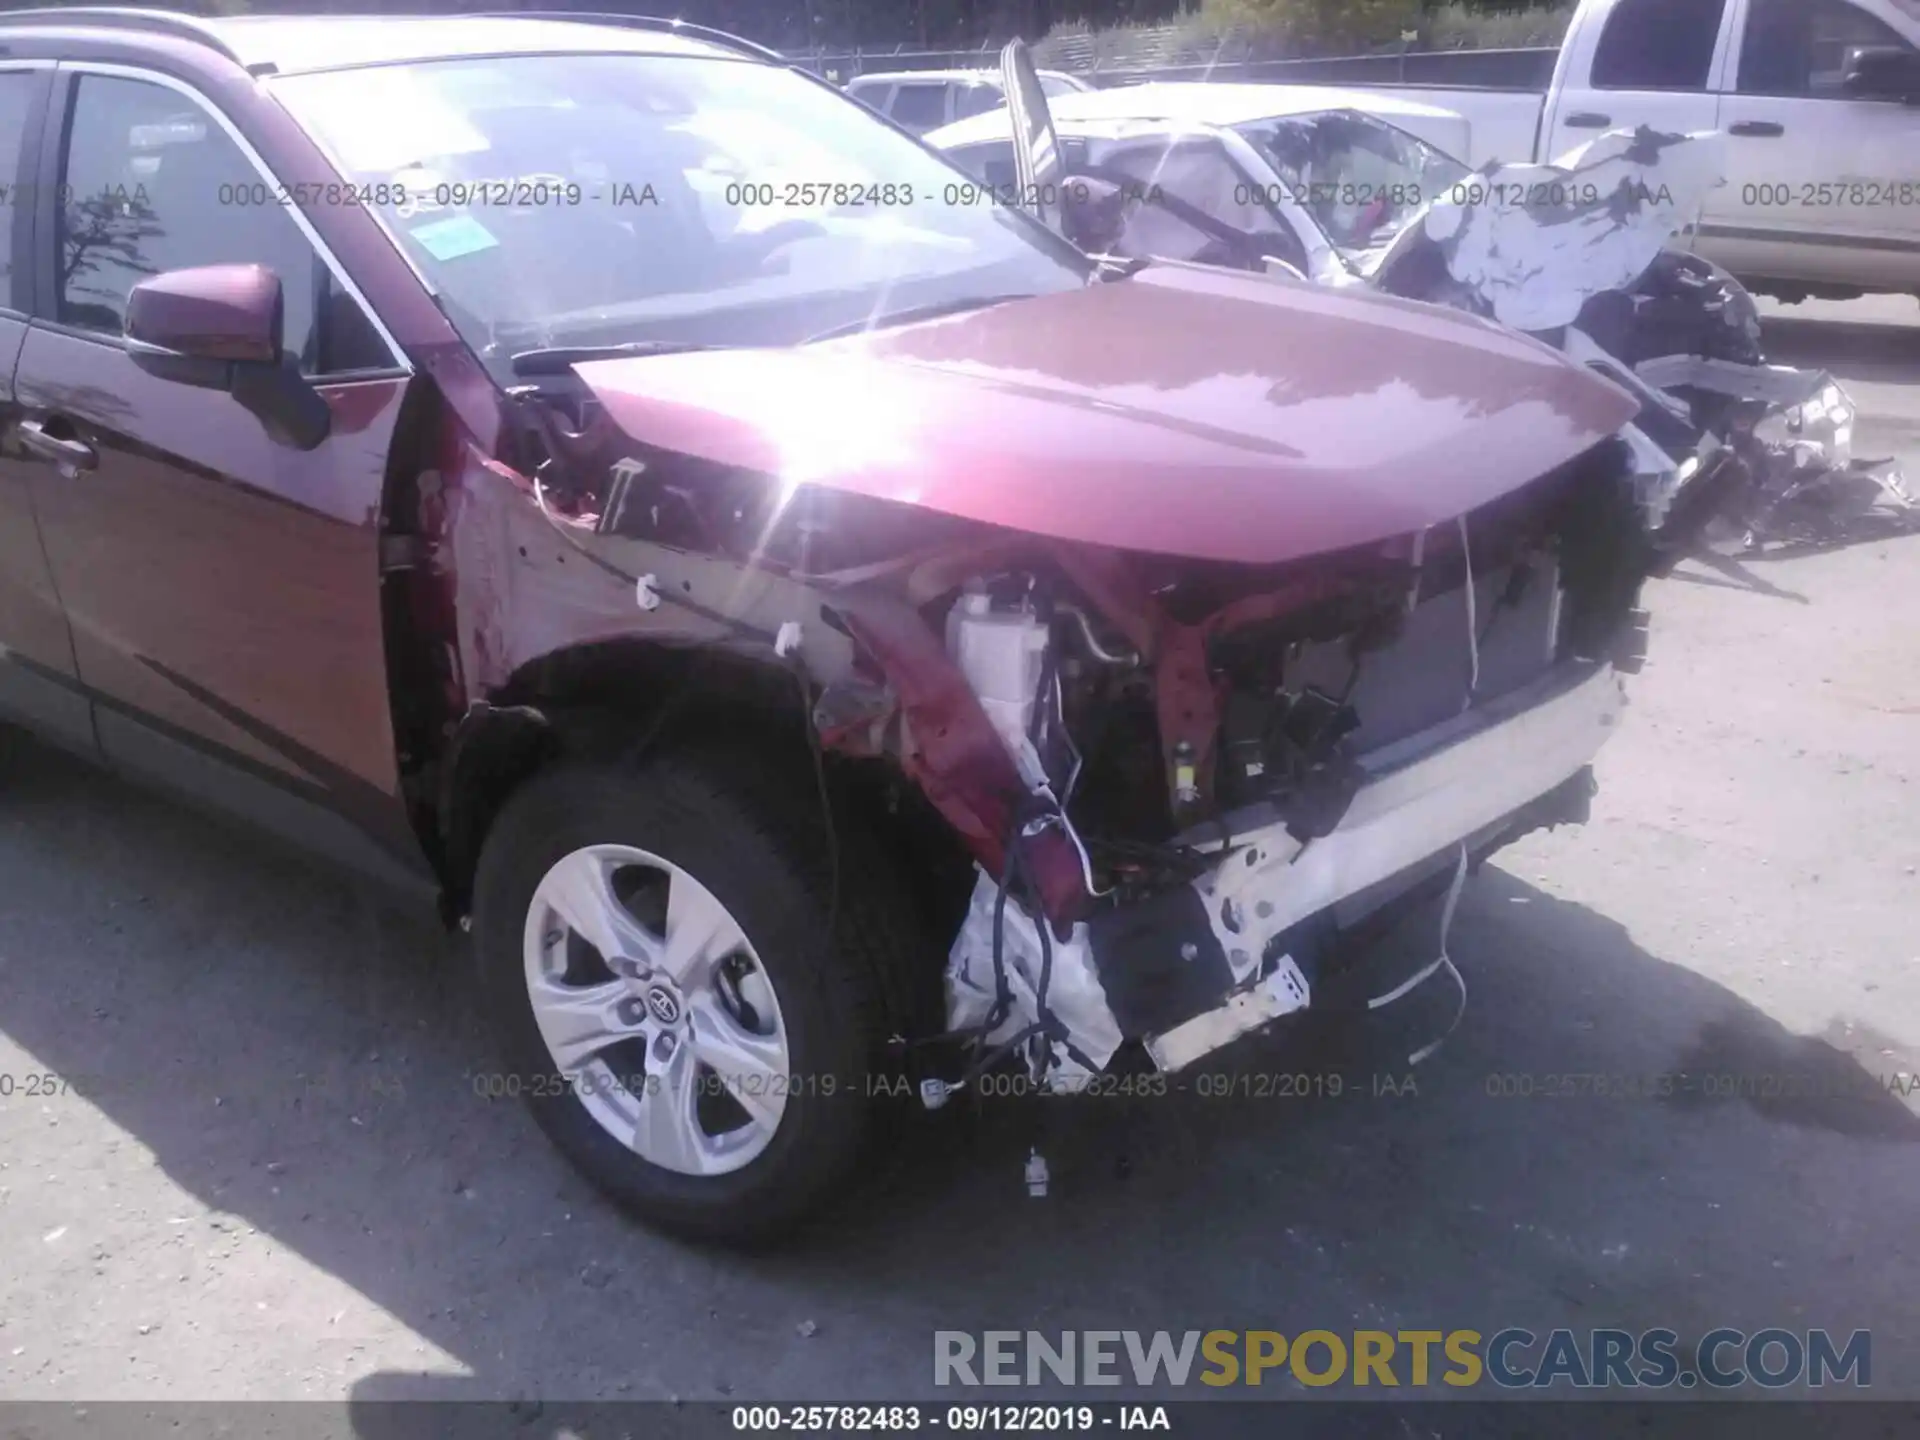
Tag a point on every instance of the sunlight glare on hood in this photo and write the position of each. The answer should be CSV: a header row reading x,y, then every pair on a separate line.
x,y
810,429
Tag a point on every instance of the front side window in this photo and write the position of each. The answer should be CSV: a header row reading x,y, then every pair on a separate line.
x,y
1360,178
1196,170
1658,45
1176,170
992,164
1181,183
976,99
564,200
150,182
920,107
1804,47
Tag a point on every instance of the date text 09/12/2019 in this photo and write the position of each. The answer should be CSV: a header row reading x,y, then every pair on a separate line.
x,y
1041,1419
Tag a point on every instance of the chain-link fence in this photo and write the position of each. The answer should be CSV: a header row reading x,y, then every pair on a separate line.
x,y
1179,59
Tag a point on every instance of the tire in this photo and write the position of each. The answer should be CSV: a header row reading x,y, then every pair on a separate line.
x,y
755,847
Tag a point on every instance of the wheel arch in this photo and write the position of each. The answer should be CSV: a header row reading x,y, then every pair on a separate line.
x,y
628,701
623,699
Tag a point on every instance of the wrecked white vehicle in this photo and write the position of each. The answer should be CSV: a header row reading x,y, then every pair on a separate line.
x,y
1353,190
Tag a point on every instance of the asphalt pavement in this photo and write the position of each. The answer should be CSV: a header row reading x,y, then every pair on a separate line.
x,y
267,1173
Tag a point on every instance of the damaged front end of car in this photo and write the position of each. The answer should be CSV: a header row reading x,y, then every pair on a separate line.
x,y
1197,685
1275,765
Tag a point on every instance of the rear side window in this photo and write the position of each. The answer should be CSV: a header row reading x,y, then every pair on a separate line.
x,y
150,183
16,99
920,107
1658,45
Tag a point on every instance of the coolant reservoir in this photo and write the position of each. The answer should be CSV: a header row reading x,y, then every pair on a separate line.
x,y
1002,654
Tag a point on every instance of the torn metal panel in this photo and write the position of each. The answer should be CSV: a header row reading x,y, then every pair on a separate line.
x,y
1801,447
529,581
1534,243
1810,423
1775,384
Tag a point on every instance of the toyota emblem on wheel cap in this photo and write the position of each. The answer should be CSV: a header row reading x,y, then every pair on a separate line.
x,y
665,1008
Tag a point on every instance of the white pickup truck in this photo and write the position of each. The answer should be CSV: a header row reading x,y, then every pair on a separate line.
x,y
1820,99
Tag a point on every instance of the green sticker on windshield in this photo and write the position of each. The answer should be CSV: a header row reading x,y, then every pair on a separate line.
x,y
450,239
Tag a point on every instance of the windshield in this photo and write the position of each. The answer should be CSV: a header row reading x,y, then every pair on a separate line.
x,y
1360,178
558,200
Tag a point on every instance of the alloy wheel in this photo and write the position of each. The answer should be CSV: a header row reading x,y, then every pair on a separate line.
x,y
655,1009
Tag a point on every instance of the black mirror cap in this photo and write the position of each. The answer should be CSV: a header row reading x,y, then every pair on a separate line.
x,y
286,404
1884,72
276,394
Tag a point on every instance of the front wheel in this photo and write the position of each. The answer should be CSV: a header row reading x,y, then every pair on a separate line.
x,y
654,960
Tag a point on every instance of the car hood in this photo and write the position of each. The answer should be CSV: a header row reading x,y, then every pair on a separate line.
x,y
1187,411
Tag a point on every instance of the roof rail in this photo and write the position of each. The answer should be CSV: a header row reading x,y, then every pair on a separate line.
x,y
637,22
125,17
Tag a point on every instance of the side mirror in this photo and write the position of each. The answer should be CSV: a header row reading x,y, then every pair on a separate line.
x,y
218,328
1883,72
1093,214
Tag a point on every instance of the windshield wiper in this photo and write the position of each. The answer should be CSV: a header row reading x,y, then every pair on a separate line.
x,y
912,313
558,359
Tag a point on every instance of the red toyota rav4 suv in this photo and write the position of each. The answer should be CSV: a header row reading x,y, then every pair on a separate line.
x,y
814,625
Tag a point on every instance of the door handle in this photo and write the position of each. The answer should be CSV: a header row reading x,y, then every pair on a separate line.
x,y
72,456
1758,129
1587,120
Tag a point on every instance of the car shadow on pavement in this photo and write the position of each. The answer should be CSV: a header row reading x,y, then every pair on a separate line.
x,y
1609,1138
1733,576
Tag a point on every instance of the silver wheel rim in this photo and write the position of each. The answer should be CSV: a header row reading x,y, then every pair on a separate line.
x,y
656,1010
